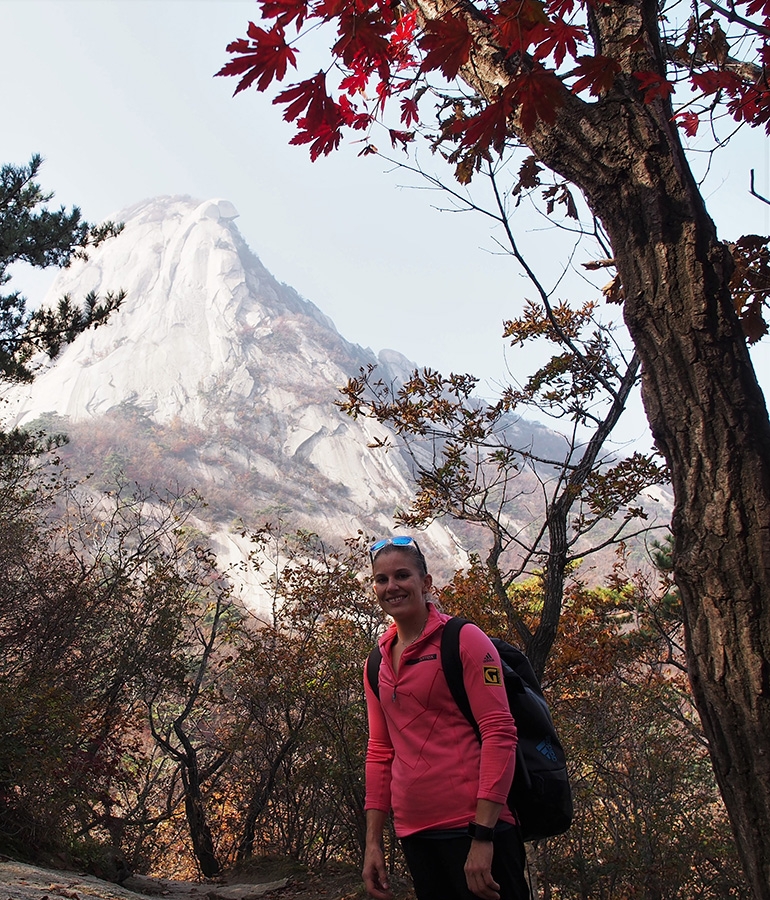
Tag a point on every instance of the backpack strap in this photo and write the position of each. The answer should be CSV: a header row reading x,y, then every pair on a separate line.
x,y
373,669
452,665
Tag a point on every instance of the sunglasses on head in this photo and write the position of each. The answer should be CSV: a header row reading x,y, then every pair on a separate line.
x,y
399,541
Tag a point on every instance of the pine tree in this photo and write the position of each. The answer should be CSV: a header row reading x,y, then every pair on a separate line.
x,y
32,233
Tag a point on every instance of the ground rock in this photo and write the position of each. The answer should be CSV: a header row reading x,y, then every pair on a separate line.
x,y
19,881
246,891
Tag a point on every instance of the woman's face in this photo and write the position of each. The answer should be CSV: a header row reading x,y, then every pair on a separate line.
x,y
398,583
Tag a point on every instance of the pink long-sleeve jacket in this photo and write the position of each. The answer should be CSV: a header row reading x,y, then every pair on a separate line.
x,y
423,758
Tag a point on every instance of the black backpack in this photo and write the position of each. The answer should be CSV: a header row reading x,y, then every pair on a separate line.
x,y
540,794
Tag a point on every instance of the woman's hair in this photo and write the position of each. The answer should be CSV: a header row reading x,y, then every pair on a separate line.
x,y
401,545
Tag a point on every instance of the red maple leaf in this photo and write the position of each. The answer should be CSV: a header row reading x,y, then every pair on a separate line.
x,y
539,93
351,117
558,38
713,80
751,104
362,38
515,21
409,111
754,7
402,40
323,140
597,73
323,119
688,121
329,9
561,8
310,97
518,23
654,85
264,61
356,81
403,33
446,43
384,90
324,134
400,137
489,128
285,11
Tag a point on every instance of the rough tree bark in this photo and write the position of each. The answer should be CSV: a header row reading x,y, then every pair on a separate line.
x,y
705,408
194,805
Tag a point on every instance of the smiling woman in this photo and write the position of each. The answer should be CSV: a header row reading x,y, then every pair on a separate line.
x,y
447,792
402,586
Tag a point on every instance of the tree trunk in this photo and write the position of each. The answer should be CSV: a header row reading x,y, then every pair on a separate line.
x,y
200,833
195,808
709,419
705,408
558,518
259,800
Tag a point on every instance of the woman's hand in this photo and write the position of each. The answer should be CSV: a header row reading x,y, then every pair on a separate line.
x,y
478,871
375,874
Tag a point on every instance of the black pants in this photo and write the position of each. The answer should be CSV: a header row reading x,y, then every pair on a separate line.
x,y
436,866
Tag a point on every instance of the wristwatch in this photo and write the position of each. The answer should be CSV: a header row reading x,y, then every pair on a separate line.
x,y
480,832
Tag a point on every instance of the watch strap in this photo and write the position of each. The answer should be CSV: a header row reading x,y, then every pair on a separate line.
x,y
480,832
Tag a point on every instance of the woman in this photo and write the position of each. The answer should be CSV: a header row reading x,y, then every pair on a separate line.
x,y
424,761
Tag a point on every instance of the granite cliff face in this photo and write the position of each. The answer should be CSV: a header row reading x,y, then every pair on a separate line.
x,y
204,329
209,343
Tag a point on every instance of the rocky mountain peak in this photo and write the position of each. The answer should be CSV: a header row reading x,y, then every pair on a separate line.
x,y
207,340
203,319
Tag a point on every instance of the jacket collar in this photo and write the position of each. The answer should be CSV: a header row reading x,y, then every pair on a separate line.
x,y
436,619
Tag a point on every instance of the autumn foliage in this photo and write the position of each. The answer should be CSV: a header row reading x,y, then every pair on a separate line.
x,y
148,718
389,57
393,71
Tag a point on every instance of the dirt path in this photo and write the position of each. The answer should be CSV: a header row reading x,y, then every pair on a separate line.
x,y
19,881
22,882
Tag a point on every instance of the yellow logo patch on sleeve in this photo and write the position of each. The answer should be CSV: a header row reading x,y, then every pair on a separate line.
x,y
492,675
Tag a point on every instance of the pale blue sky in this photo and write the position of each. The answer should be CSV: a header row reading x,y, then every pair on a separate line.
x,y
119,97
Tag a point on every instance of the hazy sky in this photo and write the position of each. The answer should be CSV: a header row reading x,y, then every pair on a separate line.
x,y
119,97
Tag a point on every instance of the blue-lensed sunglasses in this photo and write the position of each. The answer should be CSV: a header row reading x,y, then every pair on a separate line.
x,y
401,540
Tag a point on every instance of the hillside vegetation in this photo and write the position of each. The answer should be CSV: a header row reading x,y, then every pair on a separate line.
x,y
149,718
